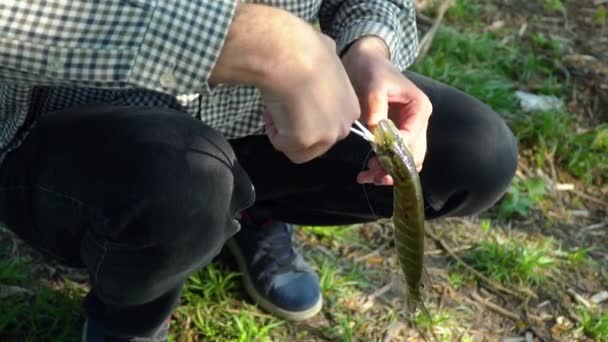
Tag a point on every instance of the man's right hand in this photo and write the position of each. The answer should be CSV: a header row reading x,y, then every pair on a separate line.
x,y
311,102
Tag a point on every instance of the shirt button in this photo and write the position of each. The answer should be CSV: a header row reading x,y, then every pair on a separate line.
x,y
167,80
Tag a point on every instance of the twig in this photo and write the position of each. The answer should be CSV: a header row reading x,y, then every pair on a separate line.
x,y
474,271
594,226
441,251
504,311
466,331
590,198
537,334
371,254
579,299
324,250
550,157
424,18
495,307
427,40
574,316
381,291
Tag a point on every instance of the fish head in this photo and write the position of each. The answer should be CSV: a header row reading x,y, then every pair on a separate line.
x,y
386,138
392,150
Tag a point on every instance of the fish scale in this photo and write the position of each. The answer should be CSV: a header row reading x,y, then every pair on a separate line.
x,y
408,208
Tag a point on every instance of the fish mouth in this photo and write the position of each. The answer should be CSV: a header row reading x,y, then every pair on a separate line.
x,y
384,135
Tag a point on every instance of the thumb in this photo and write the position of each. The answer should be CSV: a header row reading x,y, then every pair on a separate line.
x,y
377,108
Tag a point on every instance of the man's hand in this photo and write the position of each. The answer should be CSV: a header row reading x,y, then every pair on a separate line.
x,y
384,92
311,102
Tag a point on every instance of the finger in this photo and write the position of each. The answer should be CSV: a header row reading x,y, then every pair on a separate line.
x,y
377,108
411,117
373,163
371,174
368,176
384,180
371,177
365,177
420,153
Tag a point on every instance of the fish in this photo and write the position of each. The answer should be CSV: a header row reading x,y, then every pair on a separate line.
x,y
408,217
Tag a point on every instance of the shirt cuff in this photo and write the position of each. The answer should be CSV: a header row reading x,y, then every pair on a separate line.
x,y
402,56
182,44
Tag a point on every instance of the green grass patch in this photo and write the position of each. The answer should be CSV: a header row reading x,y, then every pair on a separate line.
x,y
521,197
514,262
579,257
14,271
47,315
595,324
332,235
338,281
465,11
214,308
443,324
481,65
554,5
468,62
554,135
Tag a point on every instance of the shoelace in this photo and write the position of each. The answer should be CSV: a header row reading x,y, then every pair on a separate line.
x,y
275,249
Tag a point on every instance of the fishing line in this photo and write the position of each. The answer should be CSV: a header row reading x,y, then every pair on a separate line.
x,y
369,203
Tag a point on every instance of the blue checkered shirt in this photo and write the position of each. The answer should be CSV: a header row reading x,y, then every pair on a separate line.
x,y
56,54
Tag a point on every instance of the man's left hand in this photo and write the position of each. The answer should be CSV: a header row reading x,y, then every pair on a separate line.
x,y
383,91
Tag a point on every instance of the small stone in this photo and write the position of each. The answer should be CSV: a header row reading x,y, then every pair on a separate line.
x,y
599,297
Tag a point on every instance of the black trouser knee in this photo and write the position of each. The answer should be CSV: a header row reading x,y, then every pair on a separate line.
x,y
471,159
143,197
472,153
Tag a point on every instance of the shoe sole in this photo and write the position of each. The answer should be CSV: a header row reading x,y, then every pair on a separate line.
x,y
265,303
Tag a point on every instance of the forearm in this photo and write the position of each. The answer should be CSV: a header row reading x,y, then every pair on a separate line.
x,y
259,42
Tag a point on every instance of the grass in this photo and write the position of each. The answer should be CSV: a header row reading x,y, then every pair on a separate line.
x,y
442,324
521,197
48,314
210,310
483,66
594,324
513,262
13,271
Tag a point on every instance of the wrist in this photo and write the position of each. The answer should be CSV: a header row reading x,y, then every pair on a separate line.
x,y
368,46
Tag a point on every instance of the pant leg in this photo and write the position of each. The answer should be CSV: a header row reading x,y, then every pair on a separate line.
x,y
141,196
471,159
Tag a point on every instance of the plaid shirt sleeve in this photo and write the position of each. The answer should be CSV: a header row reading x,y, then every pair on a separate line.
x,y
169,46
392,20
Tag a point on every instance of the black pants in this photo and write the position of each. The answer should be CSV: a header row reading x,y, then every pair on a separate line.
x,y
143,196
